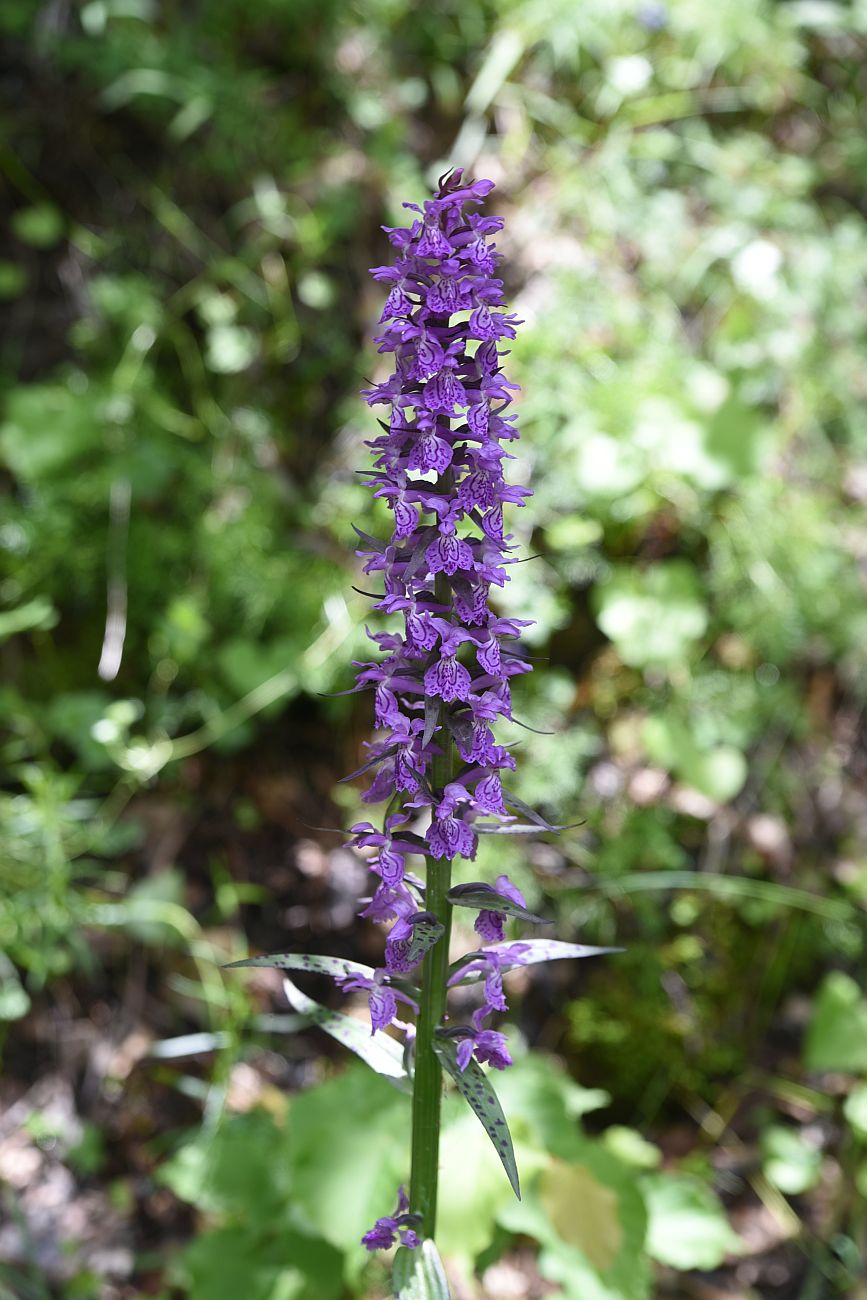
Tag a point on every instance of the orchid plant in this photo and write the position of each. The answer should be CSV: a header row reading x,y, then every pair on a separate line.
x,y
440,685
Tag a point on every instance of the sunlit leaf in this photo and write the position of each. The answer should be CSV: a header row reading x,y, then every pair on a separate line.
x,y
687,1227
381,1053
527,952
837,1036
419,1274
333,966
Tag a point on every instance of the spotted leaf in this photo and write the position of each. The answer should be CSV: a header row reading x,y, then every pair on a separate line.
x,y
382,1053
474,1085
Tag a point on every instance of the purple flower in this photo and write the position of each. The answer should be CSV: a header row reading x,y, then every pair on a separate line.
x,y
397,1226
491,926
487,1045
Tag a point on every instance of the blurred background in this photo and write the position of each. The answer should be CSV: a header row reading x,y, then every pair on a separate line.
x,y
192,195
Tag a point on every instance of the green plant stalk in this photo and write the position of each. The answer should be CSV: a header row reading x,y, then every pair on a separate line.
x,y
427,1085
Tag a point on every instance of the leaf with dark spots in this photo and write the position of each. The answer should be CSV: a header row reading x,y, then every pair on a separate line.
x,y
336,967
475,1087
381,1052
525,952
426,931
482,897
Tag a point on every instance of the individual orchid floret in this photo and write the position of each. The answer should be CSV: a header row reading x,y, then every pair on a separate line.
x,y
491,925
400,1226
487,1045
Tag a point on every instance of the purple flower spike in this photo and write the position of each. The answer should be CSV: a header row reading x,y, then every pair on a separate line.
x,y
443,679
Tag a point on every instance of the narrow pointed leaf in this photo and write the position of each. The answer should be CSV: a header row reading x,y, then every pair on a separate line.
x,y
431,717
419,1274
382,1053
371,762
474,1085
530,813
333,966
538,731
505,828
482,897
417,558
526,952
374,542
352,690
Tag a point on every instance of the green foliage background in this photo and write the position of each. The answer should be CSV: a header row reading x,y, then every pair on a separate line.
x,y
193,194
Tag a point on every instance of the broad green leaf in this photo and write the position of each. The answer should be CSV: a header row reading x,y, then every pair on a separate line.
x,y
790,1163
381,1053
837,1037
855,1110
546,1104
36,613
347,1154
687,1227
419,1274
480,896
332,966
474,1085
588,1214
273,1262
654,616
472,1189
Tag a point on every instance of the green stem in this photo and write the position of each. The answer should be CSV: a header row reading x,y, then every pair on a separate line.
x,y
427,1085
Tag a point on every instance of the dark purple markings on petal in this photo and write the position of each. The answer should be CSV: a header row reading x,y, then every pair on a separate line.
x,y
443,297
488,797
383,1007
405,519
448,679
429,357
479,896
475,1088
482,324
490,926
391,865
450,837
433,243
431,453
448,554
396,304
478,417
443,392
488,655
492,523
